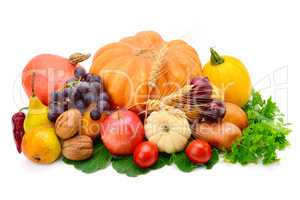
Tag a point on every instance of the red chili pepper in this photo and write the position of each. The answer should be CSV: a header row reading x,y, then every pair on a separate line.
x,y
18,129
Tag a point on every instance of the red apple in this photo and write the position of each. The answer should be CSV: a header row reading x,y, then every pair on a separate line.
x,y
122,131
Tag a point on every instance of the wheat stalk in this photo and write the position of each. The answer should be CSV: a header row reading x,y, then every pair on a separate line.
x,y
158,61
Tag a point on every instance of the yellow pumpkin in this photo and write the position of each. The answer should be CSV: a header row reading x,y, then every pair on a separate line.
x,y
143,66
230,76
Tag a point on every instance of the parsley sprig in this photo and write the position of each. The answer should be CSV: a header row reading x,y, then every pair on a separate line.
x,y
265,134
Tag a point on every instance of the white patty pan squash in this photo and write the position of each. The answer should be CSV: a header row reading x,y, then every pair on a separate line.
x,y
169,129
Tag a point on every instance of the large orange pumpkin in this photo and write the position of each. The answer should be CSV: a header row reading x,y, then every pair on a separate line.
x,y
143,65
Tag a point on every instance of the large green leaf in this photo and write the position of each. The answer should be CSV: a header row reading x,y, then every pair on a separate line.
x,y
213,160
125,165
183,163
99,160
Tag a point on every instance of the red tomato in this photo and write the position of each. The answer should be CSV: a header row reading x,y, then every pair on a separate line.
x,y
121,132
198,151
145,154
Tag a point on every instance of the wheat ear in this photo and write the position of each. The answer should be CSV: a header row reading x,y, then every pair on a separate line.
x,y
170,100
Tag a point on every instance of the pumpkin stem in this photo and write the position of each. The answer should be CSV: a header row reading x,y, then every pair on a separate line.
x,y
215,58
166,128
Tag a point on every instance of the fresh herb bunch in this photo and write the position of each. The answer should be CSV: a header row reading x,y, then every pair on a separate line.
x,y
265,134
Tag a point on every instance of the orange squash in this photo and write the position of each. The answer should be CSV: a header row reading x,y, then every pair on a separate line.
x,y
144,66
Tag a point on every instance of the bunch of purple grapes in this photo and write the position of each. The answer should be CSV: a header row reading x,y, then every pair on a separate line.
x,y
79,92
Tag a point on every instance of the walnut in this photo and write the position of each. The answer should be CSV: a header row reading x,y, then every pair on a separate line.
x,y
79,147
68,124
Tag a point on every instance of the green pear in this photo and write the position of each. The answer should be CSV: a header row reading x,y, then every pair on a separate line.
x,y
37,112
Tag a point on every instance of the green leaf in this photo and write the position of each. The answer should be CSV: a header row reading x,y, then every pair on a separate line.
x,y
183,163
213,160
99,160
164,159
125,165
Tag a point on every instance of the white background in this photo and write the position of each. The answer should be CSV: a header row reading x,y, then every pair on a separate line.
x,y
263,34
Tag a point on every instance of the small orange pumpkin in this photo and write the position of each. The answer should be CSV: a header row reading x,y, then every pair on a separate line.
x,y
144,66
52,71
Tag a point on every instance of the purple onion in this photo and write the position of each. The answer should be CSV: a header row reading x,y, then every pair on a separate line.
x,y
201,90
214,111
